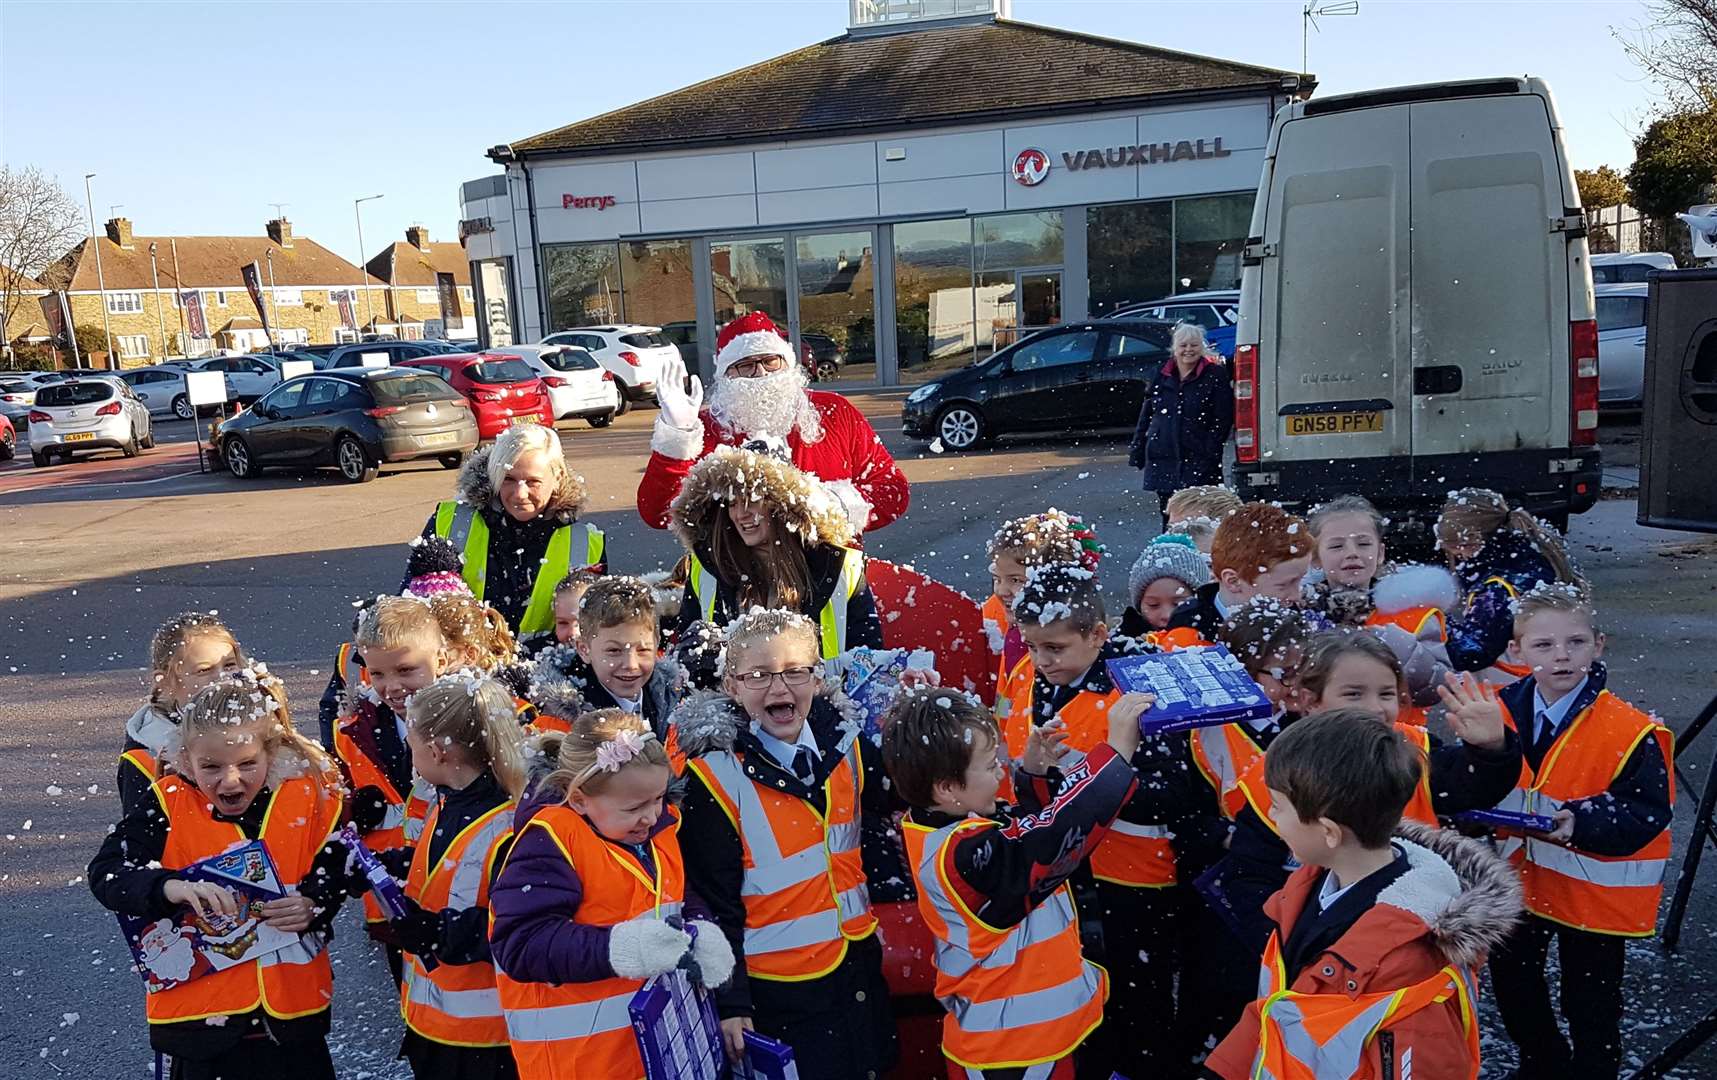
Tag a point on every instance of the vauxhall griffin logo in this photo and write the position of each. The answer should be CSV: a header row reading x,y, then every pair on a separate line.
x,y
1031,166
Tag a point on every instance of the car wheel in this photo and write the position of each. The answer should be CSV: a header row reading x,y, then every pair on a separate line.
x,y
1558,521
182,407
237,456
130,447
354,461
600,421
41,458
625,405
827,370
148,440
960,427
452,461
8,446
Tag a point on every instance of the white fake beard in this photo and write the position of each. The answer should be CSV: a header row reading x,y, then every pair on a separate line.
x,y
773,404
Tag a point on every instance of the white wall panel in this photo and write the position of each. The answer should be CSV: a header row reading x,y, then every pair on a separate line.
x,y
819,204
692,176
953,195
698,215
829,165
930,157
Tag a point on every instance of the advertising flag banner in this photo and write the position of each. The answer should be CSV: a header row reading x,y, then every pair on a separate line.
x,y
192,302
54,314
348,310
252,274
449,290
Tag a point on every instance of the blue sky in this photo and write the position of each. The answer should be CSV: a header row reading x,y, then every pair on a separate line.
x,y
196,117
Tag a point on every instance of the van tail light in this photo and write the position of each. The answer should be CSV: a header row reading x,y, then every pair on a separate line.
x,y
37,417
630,358
110,409
607,376
1583,387
1246,404
555,381
384,410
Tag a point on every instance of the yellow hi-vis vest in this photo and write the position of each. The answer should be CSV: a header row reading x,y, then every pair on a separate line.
x,y
461,524
832,620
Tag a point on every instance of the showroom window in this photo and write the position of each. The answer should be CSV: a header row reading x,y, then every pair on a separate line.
x,y
583,285
1208,235
656,276
1131,257
933,296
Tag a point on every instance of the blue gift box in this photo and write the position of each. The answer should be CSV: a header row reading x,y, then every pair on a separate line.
x,y
766,1059
1507,819
1197,687
679,1036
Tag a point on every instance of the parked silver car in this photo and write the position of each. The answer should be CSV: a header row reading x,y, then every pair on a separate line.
x,y
161,388
1621,345
98,413
18,393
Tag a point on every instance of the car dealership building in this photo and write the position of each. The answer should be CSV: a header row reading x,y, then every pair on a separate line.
x,y
905,197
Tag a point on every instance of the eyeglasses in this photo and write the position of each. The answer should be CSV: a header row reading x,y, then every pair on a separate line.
x,y
794,678
753,366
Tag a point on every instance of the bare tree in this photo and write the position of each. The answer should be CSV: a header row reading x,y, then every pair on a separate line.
x,y
39,222
1677,48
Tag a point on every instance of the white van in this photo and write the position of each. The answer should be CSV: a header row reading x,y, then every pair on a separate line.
x,y
1416,308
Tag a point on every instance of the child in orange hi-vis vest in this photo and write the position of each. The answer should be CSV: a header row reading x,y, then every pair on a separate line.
x,y
403,652
1259,549
188,652
992,878
1600,769
780,788
1371,966
592,901
466,744
239,772
1129,885
1017,548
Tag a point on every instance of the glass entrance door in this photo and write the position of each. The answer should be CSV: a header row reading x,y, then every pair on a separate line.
x,y
749,275
835,289
1039,294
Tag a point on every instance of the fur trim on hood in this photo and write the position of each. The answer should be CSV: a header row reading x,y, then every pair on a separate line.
x,y
473,489
729,474
1464,892
707,722
1416,585
152,727
666,591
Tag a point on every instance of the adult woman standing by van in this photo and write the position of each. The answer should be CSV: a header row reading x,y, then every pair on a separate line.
x,y
1186,419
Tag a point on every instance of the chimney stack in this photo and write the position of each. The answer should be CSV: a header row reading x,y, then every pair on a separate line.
x,y
280,231
418,237
119,231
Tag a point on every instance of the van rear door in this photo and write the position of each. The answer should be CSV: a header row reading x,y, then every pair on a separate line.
x,y
1489,278
1334,337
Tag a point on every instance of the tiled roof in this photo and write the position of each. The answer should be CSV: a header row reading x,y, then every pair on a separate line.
x,y
402,264
208,262
22,282
931,75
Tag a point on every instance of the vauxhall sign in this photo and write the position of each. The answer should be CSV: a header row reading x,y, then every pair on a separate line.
x,y
1031,166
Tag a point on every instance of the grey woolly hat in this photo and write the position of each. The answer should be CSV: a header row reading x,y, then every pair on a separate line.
x,y
1169,556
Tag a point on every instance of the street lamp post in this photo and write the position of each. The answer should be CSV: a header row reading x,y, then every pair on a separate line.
x,y
160,318
274,295
179,295
363,274
100,278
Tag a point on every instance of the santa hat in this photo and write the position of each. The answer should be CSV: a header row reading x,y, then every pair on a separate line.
x,y
753,334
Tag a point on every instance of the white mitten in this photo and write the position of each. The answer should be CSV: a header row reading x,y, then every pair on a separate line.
x,y
858,510
645,946
713,954
679,430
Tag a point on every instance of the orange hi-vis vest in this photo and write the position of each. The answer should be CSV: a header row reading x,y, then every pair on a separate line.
x,y
293,982
1181,637
417,803
1222,755
456,1004
1419,808
351,672
1139,856
1016,997
1414,620
1604,894
574,1030
1328,1036
804,885
143,761
392,832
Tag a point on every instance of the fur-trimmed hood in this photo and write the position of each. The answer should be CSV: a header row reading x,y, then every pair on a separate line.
x,y
473,489
1416,585
1465,894
730,474
152,728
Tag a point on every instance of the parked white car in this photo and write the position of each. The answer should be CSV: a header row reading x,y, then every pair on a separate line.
x,y
634,354
162,389
1632,268
1621,345
579,388
98,413
18,393
248,377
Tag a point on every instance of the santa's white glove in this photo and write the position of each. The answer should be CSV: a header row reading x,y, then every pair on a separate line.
x,y
714,956
679,429
645,946
858,510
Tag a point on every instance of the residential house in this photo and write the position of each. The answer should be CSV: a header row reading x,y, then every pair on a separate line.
x,y
21,318
409,271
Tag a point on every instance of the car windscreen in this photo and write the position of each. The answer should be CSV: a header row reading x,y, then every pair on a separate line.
x,y
569,359
647,340
500,371
404,388
75,393
15,388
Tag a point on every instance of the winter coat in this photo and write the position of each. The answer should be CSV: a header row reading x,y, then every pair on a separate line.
x,y
463,937
1183,427
516,548
848,450
1424,655
564,686
1199,612
1480,632
714,855
805,510
1453,903
151,729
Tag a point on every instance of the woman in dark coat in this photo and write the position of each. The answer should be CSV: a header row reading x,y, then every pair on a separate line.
x,y
1186,419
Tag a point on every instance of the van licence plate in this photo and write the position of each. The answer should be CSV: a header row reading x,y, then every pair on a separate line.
x,y
1347,423
79,436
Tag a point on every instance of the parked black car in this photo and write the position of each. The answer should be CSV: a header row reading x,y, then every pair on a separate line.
x,y
352,356
1069,378
826,356
354,419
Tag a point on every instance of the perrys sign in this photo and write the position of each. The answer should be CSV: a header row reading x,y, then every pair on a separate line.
x,y
586,202
1032,165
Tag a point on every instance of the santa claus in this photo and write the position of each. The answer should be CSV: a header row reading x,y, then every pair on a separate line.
x,y
759,393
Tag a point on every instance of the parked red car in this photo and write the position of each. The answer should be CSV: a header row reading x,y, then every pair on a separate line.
x,y
502,390
8,439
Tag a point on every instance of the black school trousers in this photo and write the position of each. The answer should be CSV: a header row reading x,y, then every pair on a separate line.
x,y
261,1058
1590,995
1141,952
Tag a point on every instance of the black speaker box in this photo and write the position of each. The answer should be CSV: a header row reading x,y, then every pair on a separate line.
x,y
1678,453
